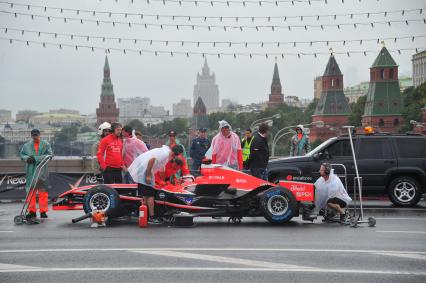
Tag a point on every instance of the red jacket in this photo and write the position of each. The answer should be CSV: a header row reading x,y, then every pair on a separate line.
x,y
110,152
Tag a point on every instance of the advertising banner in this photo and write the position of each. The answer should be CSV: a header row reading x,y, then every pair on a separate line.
x,y
12,186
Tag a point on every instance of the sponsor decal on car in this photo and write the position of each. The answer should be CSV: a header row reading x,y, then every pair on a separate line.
x,y
188,200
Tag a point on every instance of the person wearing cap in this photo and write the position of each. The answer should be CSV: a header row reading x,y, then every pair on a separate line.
x,y
245,145
198,149
104,129
226,147
132,148
330,192
172,141
110,156
299,144
32,153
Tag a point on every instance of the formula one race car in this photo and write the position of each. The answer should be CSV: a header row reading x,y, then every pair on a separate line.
x,y
218,192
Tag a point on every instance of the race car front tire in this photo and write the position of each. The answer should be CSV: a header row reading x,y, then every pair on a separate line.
x,y
278,205
102,198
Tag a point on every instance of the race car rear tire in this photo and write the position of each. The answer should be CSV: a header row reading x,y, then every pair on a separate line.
x,y
102,198
278,205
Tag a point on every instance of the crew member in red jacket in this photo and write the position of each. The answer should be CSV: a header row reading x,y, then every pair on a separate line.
x,y
173,167
110,156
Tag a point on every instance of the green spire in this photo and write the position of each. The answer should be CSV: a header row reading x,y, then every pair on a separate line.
x,y
332,68
107,87
276,77
106,66
384,59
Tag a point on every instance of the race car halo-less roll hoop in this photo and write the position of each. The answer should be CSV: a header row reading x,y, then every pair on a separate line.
x,y
20,218
358,214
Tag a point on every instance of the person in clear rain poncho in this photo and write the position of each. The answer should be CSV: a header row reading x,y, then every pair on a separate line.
x,y
330,192
226,147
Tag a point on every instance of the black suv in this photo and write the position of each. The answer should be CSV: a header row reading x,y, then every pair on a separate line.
x,y
388,163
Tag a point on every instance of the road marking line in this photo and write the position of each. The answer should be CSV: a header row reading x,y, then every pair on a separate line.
x,y
411,256
401,218
211,249
221,259
195,269
408,232
6,266
6,231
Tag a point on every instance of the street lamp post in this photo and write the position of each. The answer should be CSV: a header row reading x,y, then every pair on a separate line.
x,y
274,144
258,121
278,135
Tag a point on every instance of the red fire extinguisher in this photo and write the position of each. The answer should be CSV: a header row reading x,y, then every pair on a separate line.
x,y
143,216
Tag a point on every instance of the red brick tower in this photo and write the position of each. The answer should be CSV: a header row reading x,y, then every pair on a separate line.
x,y
276,97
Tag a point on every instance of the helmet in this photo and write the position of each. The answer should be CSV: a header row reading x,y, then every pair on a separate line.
x,y
103,126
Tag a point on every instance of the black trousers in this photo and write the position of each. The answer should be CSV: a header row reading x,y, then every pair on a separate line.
x,y
112,176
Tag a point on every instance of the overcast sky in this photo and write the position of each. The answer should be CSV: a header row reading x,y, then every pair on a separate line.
x,y
33,77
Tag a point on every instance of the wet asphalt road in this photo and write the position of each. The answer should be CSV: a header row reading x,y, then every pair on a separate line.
x,y
215,251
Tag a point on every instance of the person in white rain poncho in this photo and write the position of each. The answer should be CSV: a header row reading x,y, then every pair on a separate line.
x,y
143,171
329,191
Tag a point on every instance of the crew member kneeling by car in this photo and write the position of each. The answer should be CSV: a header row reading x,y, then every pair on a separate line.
x,y
143,170
169,175
329,191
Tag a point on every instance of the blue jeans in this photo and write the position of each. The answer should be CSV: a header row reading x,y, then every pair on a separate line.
x,y
260,173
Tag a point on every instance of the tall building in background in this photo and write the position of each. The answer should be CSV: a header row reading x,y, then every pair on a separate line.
x,y
5,116
199,117
182,109
133,108
107,111
276,97
25,115
384,102
419,68
207,89
317,87
332,108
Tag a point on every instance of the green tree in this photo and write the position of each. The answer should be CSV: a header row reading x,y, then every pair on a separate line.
x,y
357,111
67,133
414,101
86,129
137,125
310,110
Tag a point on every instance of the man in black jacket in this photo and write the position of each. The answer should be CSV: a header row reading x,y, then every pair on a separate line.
x,y
259,153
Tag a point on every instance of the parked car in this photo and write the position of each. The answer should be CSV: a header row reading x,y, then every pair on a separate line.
x,y
392,164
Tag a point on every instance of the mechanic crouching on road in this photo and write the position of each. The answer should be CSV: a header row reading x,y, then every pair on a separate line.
x,y
143,171
330,192
33,152
170,173
110,156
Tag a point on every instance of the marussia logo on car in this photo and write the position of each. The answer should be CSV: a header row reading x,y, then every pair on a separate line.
x,y
188,200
